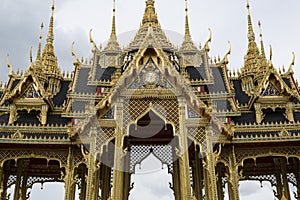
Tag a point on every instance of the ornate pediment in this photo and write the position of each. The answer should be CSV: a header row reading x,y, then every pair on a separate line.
x,y
271,90
150,77
31,92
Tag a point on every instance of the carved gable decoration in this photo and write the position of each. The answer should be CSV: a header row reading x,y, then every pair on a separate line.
x,y
31,92
150,77
271,90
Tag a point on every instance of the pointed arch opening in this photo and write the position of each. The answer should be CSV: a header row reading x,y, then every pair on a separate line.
x,y
151,180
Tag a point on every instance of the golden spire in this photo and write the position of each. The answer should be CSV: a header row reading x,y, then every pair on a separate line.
x,y
262,49
187,28
50,36
150,17
113,29
252,59
113,44
49,60
251,35
38,55
187,44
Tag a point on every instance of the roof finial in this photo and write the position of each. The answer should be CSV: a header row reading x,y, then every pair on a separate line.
x,y
251,35
261,41
30,54
49,60
187,28
50,36
113,29
38,55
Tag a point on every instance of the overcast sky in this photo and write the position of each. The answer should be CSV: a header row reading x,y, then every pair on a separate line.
x,y
20,21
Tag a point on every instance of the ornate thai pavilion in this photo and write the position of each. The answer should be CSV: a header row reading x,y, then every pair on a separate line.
x,y
211,127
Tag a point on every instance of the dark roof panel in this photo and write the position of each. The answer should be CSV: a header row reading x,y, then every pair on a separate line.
x,y
81,82
287,81
297,116
79,106
59,99
277,116
245,118
14,84
57,119
240,95
222,105
28,118
4,119
219,81
254,134
196,73
104,74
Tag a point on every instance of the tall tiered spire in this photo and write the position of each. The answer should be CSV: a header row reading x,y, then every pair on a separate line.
x,y
150,19
187,44
113,44
253,55
49,60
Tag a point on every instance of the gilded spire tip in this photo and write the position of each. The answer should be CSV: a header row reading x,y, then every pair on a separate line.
x,y
187,27
113,29
50,37
261,41
251,35
38,55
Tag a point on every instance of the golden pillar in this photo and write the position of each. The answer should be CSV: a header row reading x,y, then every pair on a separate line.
x,y
183,154
283,164
297,175
219,183
233,181
91,165
69,177
197,176
118,175
17,190
25,178
119,154
106,177
127,175
278,182
3,184
211,190
175,178
83,184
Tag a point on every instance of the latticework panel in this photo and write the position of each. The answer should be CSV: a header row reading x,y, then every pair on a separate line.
x,y
77,159
61,156
292,179
242,154
167,108
197,133
11,180
103,136
34,179
162,152
267,177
